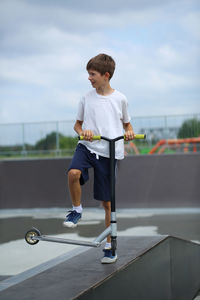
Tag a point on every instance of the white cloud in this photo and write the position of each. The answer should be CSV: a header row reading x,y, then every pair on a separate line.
x,y
41,70
45,47
191,24
169,56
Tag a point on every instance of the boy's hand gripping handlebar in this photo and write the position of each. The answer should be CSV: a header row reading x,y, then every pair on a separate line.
x,y
99,137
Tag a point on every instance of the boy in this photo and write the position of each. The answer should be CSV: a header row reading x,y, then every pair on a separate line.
x,y
102,111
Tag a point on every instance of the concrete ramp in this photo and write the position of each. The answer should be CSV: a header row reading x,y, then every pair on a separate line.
x,y
155,267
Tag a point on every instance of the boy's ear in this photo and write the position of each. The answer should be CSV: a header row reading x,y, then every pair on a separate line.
x,y
107,75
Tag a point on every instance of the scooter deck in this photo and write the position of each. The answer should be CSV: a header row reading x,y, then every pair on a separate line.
x,y
33,236
65,241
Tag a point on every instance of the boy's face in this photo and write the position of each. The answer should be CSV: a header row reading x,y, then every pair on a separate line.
x,y
97,80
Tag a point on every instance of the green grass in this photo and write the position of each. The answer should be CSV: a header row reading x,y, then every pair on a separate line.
x,y
39,155
45,154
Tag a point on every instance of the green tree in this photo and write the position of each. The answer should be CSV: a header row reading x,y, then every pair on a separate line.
x,y
189,128
68,142
49,142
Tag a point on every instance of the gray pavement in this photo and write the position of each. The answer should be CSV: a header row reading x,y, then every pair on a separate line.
x,y
184,223
17,256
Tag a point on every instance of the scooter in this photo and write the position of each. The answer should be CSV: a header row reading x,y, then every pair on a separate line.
x,y
33,236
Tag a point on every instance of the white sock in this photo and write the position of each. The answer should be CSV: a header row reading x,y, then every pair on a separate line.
x,y
107,245
78,209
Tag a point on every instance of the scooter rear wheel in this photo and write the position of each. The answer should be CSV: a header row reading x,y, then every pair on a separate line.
x,y
29,236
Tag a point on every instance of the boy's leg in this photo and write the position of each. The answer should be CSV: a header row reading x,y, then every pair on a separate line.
x,y
108,257
77,176
75,192
102,191
107,208
74,186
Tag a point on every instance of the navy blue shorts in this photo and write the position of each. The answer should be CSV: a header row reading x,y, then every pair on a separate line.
x,y
83,160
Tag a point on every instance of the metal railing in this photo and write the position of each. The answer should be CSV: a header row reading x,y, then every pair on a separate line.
x,y
57,138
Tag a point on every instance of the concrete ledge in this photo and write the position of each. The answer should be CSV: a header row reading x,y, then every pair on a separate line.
x,y
156,267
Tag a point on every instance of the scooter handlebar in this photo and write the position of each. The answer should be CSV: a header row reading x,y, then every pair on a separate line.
x,y
94,138
139,137
98,137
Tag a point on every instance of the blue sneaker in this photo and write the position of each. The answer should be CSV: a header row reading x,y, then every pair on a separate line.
x,y
108,257
72,219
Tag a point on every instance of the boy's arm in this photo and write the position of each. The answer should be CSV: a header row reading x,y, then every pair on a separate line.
x,y
78,127
88,134
129,133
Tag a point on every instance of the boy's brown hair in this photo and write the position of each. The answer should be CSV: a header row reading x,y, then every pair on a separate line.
x,y
102,63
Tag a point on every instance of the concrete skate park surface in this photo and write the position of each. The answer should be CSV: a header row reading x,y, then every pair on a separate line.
x,y
156,195
142,181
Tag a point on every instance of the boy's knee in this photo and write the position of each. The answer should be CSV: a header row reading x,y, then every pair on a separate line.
x,y
107,205
74,175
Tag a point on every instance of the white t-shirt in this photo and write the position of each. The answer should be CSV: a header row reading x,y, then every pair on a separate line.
x,y
104,115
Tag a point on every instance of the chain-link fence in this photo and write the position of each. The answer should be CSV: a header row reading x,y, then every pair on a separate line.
x,y
47,139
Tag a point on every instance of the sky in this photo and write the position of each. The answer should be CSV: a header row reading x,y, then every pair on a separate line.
x,y
45,46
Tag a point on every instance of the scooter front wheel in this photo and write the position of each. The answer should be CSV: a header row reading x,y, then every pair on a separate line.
x,y
29,236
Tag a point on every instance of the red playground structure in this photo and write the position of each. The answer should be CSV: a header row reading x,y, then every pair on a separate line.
x,y
179,145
